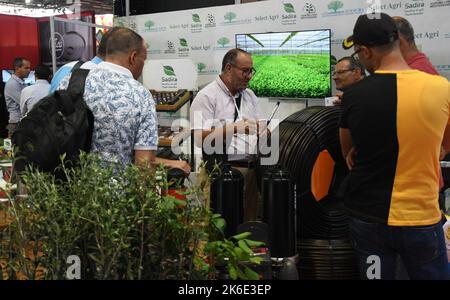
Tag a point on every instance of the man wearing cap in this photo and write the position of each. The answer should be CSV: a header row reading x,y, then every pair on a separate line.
x,y
391,133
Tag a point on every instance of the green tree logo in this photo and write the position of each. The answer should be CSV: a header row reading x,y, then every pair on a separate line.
x,y
195,18
183,42
230,16
149,24
335,5
201,67
289,8
168,70
223,41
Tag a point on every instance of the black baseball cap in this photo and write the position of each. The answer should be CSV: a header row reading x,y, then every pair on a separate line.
x,y
373,29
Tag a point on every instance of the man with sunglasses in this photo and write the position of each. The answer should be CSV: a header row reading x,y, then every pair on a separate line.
x,y
347,72
228,111
391,132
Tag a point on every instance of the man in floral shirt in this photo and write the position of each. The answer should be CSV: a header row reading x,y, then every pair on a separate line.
x,y
125,127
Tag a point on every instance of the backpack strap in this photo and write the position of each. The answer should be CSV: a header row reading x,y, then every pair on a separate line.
x,y
77,65
77,81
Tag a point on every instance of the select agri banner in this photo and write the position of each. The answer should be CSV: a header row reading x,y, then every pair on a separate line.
x,y
73,42
204,35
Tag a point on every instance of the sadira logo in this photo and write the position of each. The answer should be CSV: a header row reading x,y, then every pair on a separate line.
x,y
309,11
289,8
170,78
168,70
196,25
183,50
414,8
289,18
336,8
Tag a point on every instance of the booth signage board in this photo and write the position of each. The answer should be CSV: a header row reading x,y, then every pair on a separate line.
x,y
170,75
205,35
72,41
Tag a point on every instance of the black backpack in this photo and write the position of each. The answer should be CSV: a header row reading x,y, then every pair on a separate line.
x,y
58,124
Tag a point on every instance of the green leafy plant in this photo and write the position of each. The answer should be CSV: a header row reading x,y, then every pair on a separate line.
x,y
303,74
120,223
235,253
335,5
230,16
289,8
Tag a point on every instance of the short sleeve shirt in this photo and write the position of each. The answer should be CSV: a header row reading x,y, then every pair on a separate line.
x,y
214,106
124,113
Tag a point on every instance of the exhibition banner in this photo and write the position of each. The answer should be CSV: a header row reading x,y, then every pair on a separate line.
x,y
73,42
204,35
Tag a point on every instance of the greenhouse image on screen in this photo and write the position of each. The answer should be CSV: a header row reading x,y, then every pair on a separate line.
x,y
289,64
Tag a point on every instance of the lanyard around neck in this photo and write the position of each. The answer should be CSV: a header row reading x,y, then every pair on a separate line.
x,y
237,107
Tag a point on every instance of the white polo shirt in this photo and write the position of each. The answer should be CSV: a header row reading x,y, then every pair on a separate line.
x,y
214,106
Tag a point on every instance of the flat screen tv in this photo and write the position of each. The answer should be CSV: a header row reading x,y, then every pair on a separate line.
x,y
6,75
291,64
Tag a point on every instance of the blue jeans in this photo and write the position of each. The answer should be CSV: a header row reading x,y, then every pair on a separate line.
x,y
422,249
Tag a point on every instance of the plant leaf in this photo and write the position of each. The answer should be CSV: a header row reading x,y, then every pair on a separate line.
x,y
233,272
243,245
241,236
254,244
250,274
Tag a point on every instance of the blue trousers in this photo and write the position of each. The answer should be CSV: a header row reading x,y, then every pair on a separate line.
x,y
422,249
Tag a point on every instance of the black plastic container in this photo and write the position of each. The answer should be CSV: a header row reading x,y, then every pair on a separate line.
x,y
227,197
278,194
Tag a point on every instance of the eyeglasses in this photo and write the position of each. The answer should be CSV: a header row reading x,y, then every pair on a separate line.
x,y
246,72
340,72
355,54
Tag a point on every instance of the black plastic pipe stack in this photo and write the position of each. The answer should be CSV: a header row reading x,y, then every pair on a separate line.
x,y
302,136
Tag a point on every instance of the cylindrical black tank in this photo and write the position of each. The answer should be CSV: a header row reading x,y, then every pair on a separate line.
x,y
227,197
278,194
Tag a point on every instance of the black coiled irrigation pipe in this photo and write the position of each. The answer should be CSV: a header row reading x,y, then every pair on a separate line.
x,y
302,136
